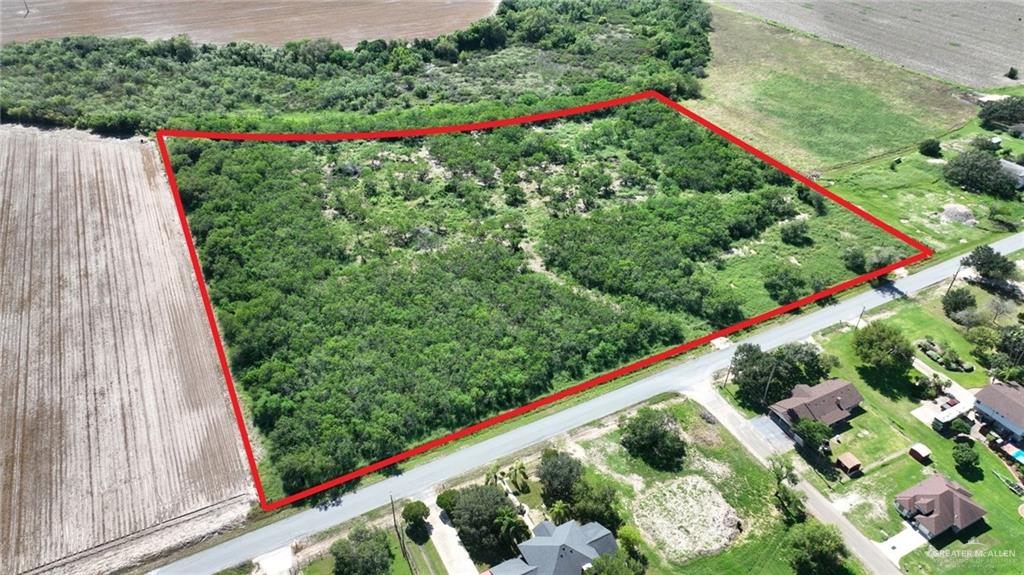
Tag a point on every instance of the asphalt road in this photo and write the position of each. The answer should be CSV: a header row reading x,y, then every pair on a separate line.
x,y
677,378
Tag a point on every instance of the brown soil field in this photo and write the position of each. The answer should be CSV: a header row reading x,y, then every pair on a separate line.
x,y
118,435
267,21
970,43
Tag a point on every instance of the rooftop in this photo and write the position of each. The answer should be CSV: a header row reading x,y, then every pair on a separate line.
x,y
828,402
1006,398
939,504
559,550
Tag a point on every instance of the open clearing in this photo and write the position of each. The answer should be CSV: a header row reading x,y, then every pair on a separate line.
x,y
267,21
971,43
813,104
117,424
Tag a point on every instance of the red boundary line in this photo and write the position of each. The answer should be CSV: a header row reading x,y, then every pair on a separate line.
x,y
923,252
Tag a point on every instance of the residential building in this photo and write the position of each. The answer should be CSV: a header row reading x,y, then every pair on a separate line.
x,y
1015,170
1001,405
937,505
829,402
563,550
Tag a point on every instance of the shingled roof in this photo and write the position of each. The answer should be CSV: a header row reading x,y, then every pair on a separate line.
x,y
939,504
1007,399
828,402
561,550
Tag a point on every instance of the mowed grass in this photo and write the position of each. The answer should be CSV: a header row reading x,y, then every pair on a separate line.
x,y
813,104
425,556
912,194
983,550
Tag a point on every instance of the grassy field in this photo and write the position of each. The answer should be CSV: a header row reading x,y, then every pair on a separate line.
x,y
425,558
717,457
814,104
886,397
913,194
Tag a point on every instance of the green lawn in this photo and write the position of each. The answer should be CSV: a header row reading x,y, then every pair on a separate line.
x,y
918,321
885,395
815,104
869,438
425,556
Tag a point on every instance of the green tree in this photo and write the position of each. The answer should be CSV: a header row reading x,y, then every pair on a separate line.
x,y
511,528
363,552
817,549
1002,113
814,433
558,473
957,299
519,477
612,564
448,500
596,502
795,232
476,517
653,435
855,260
930,148
884,346
785,283
560,512
415,514
965,457
990,264
960,426
979,171
762,378
790,503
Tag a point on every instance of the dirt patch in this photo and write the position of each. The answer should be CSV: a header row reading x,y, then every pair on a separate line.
x,y
267,21
116,414
686,518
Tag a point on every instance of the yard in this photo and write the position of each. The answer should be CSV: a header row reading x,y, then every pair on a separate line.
x,y
424,557
723,476
886,398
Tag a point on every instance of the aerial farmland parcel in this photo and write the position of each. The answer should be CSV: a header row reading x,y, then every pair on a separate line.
x,y
118,436
377,293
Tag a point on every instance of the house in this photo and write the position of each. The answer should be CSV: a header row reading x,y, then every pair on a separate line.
x,y
849,463
567,549
1015,170
937,505
1001,405
829,402
1017,130
921,453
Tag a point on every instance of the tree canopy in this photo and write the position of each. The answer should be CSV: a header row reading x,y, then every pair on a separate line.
x,y
653,435
364,552
884,346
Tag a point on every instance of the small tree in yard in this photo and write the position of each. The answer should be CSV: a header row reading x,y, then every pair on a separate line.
x,y
653,435
881,257
558,473
965,457
447,500
958,299
511,528
559,512
363,552
789,501
785,283
476,517
415,514
795,232
990,264
883,346
855,260
931,148
817,549
813,433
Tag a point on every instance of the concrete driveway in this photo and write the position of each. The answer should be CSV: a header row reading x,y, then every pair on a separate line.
x,y
902,543
777,438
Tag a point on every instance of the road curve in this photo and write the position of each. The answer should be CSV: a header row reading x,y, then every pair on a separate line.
x,y
677,378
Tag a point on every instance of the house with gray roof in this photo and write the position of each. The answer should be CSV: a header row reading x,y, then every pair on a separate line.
x,y
563,550
1001,405
937,505
829,402
1014,170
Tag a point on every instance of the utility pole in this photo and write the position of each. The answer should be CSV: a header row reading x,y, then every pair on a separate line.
x,y
401,540
771,374
951,282
862,310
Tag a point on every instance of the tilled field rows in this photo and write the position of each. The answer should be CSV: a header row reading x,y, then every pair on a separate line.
x,y
115,416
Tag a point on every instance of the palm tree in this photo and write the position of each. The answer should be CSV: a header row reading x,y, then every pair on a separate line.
x,y
559,512
494,476
518,476
511,528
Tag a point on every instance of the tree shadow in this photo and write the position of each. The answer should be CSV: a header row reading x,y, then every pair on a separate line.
x,y
972,474
892,383
819,462
887,287
419,534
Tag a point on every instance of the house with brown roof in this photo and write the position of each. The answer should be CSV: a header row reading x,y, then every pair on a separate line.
x,y
1001,405
829,402
937,505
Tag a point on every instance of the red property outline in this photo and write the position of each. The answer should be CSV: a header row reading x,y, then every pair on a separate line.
x,y
923,252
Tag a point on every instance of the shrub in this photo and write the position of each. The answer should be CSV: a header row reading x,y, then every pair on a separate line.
x,y
448,500
816,549
1012,73
795,232
965,457
363,552
960,426
415,514
931,148
956,300
653,435
855,260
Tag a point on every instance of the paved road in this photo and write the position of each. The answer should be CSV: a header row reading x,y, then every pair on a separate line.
x,y
677,378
